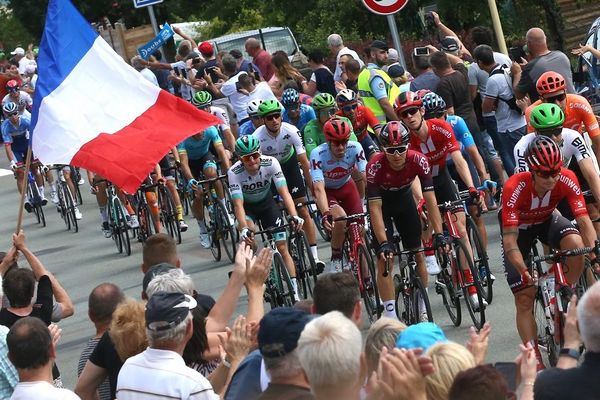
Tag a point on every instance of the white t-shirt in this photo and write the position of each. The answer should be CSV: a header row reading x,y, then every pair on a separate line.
x,y
262,91
41,390
239,101
149,75
337,75
186,90
498,85
479,77
23,63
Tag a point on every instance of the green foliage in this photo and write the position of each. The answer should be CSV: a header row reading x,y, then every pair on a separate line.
x,y
12,32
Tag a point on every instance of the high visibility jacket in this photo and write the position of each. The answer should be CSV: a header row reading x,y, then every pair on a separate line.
x,y
364,90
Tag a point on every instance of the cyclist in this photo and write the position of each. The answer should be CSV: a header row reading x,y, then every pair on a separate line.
x,y
281,140
15,95
198,162
579,115
248,127
294,112
250,181
167,175
362,119
390,177
203,101
434,138
529,200
336,194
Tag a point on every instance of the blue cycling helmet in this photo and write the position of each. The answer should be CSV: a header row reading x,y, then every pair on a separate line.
x,y
290,97
433,102
9,107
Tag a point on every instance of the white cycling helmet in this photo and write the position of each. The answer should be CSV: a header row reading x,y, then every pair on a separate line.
x,y
253,107
345,96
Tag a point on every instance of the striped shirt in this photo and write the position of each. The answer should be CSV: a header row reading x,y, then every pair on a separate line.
x,y
104,388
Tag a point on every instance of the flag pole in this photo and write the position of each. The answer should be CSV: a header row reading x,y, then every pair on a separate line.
x,y
23,189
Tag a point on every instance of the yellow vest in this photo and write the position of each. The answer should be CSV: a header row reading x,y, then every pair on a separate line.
x,y
364,90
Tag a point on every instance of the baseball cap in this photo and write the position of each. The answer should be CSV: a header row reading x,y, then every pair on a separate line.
x,y
235,53
396,71
392,54
423,335
165,310
279,331
449,44
379,44
19,51
206,48
155,270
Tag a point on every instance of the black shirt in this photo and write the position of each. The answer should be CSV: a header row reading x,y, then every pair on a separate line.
x,y
42,308
324,80
581,383
454,89
105,356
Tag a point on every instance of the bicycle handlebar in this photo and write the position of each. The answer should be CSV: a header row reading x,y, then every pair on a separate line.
x,y
554,256
218,178
351,217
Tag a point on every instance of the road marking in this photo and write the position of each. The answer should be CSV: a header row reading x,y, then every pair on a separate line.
x,y
5,172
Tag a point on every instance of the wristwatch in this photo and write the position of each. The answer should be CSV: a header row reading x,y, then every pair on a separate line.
x,y
570,353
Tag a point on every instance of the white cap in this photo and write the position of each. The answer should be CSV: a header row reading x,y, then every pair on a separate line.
x,y
18,52
392,54
30,68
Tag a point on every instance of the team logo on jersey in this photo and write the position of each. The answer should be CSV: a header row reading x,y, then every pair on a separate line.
x,y
316,164
310,140
269,148
360,156
286,137
337,173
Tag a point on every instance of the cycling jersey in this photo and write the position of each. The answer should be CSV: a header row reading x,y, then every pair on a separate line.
x,y
579,115
255,188
521,206
461,131
363,119
245,129
23,102
198,148
439,144
283,145
306,114
222,115
335,173
16,136
381,178
314,136
573,145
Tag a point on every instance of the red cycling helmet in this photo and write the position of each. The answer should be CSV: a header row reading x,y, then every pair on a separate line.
x,y
407,100
337,129
422,92
13,84
543,154
550,82
394,133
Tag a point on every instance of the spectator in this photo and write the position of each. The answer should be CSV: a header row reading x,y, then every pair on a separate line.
x,y
8,374
346,82
321,80
197,350
255,90
329,350
244,65
32,350
426,78
338,292
448,360
260,57
207,51
284,72
421,336
162,75
30,79
336,45
393,59
482,382
278,336
541,60
383,333
136,63
450,42
102,302
231,89
159,248
399,77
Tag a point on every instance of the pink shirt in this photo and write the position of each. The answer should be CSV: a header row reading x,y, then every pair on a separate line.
x,y
263,61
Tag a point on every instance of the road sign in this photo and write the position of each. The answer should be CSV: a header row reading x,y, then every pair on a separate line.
x,y
149,48
384,7
145,3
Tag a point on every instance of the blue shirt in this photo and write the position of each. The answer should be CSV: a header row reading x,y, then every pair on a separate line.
x,y
8,373
245,129
18,136
198,148
306,114
377,84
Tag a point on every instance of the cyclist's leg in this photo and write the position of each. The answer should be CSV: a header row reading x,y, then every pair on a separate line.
x,y
20,173
368,146
39,180
562,234
386,284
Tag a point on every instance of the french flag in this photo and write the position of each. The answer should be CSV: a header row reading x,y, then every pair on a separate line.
x,y
92,110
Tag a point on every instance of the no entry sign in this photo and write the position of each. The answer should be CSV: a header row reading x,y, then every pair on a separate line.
x,y
384,7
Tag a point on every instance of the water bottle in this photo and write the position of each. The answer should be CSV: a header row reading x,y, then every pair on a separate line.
x,y
551,285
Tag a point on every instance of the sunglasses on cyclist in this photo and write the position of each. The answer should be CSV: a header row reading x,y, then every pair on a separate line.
x,y
410,111
12,114
12,90
251,156
328,112
350,107
255,117
292,107
395,149
272,117
550,174
556,98
433,115
550,132
339,142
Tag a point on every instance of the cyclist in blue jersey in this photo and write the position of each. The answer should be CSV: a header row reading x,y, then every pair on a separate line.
x,y
294,112
197,163
255,121
336,193
203,101
15,134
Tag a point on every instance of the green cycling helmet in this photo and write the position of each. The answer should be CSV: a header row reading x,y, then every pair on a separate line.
x,y
323,100
547,116
269,107
202,99
246,145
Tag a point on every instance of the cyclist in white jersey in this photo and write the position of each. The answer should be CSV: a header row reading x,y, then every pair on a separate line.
x,y
332,164
203,100
251,181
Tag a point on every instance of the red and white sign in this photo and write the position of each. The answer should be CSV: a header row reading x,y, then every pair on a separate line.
x,y
384,7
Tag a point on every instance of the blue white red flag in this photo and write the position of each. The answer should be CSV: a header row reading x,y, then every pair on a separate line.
x,y
92,110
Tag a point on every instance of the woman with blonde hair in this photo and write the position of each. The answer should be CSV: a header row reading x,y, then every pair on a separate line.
x,y
448,360
284,72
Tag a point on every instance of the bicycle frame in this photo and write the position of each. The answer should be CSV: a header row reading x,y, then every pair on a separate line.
x,y
355,238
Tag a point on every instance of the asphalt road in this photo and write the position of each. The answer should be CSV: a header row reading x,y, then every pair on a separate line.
x,y
83,260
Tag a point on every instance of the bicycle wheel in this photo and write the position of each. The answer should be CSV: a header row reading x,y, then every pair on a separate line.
x,y
145,220
480,260
306,269
477,316
123,229
115,228
226,231
316,216
419,296
286,293
62,207
271,294
168,213
370,292
587,279
446,286
545,340
210,220
70,208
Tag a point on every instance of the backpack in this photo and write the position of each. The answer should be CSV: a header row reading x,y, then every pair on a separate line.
x,y
512,102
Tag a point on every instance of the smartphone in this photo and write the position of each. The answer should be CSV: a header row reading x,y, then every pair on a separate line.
x,y
509,371
210,69
421,51
516,53
196,60
177,71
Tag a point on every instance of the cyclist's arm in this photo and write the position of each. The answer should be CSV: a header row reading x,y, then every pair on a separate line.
x,y
240,213
359,179
590,175
306,169
229,139
175,154
462,168
321,196
9,153
375,209
433,212
222,156
478,162
511,248
185,168
415,188
287,200
372,121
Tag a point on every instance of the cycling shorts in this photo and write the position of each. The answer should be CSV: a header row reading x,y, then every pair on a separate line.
x,y
164,165
21,154
404,218
346,197
369,146
268,213
549,232
293,176
204,163
445,189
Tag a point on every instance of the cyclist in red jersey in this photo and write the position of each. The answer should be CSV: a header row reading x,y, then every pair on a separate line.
x,y
390,176
361,117
435,139
579,114
529,200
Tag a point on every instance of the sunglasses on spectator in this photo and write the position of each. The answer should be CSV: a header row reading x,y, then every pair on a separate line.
x,y
251,156
272,117
350,107
328,112
554,99
339,142
550,132
410,111
395,149
550,174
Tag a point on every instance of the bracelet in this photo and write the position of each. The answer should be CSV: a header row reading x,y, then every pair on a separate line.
x,y
528,383
225,363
